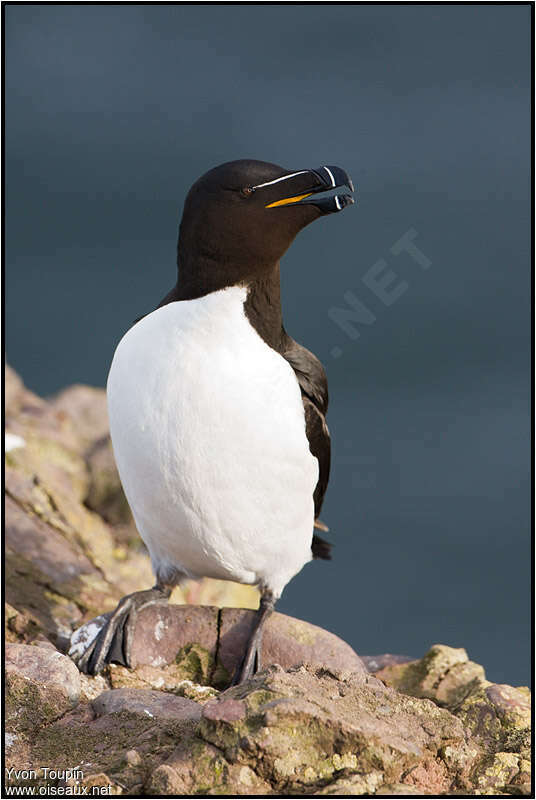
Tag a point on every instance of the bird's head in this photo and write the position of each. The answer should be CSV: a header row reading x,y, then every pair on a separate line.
x,y
241,217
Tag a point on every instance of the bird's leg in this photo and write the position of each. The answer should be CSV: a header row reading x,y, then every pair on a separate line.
x,y
114,640
252,658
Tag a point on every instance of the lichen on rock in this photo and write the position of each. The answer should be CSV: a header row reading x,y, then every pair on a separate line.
x,y
41,685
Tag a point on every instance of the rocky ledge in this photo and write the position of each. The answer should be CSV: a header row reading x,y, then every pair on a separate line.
x,y
318,721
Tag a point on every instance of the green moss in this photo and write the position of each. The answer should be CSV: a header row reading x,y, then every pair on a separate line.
x,y
261,697
194,663
105,747
220,678
29,708
10,460
19,627
406,678
33,593
193,691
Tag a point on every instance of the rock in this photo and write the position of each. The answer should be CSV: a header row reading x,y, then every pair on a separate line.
x,y
13,390
100,781
105,494
43,546
60,560
42,641
499,718
52,446
169,678
16,394
91,686
82,530
41,685
18,626
375,663
513,706
164,631
133,758
210,774
354,785
301,727
444,675
48,577
300,731
286,641
399,789
223,594
499,774
142,701
102,744
190,636
86,407
523,777
46,453
430,776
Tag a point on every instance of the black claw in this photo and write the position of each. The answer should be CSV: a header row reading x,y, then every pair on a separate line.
x,y
252,658
250,665
114,640
83,662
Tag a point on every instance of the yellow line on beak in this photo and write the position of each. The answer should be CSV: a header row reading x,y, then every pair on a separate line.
x,y
288,200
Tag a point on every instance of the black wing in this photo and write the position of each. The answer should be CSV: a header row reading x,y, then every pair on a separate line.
x,y
314,389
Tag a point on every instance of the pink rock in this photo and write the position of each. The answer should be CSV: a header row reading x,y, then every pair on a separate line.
x,y
162,630
86,407
41,685
16,394
286,641
46,667
38,542
508,699
146,701
227,710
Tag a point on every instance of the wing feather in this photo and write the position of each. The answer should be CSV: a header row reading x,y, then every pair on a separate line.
x,y
314,389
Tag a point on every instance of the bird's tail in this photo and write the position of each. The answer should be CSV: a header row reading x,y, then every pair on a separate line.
x,y
321,548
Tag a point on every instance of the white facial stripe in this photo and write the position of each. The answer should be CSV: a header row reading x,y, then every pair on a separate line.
x,y
331,176
337,202
284,178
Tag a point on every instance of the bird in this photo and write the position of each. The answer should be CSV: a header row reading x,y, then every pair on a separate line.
x,y
217,416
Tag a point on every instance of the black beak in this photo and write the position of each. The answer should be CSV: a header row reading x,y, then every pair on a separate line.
x,y
332,178
324,195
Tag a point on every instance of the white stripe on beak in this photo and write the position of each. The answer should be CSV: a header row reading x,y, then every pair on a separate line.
x,y
331,176
284,178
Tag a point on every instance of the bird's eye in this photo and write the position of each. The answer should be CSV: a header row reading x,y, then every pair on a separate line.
x,y
247,191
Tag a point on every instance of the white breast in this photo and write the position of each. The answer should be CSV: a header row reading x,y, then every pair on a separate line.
x,y
208,432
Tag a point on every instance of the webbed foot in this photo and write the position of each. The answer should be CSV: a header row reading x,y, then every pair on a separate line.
x,y
114,641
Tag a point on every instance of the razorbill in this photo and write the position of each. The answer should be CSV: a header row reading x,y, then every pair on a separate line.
x,y
217,416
